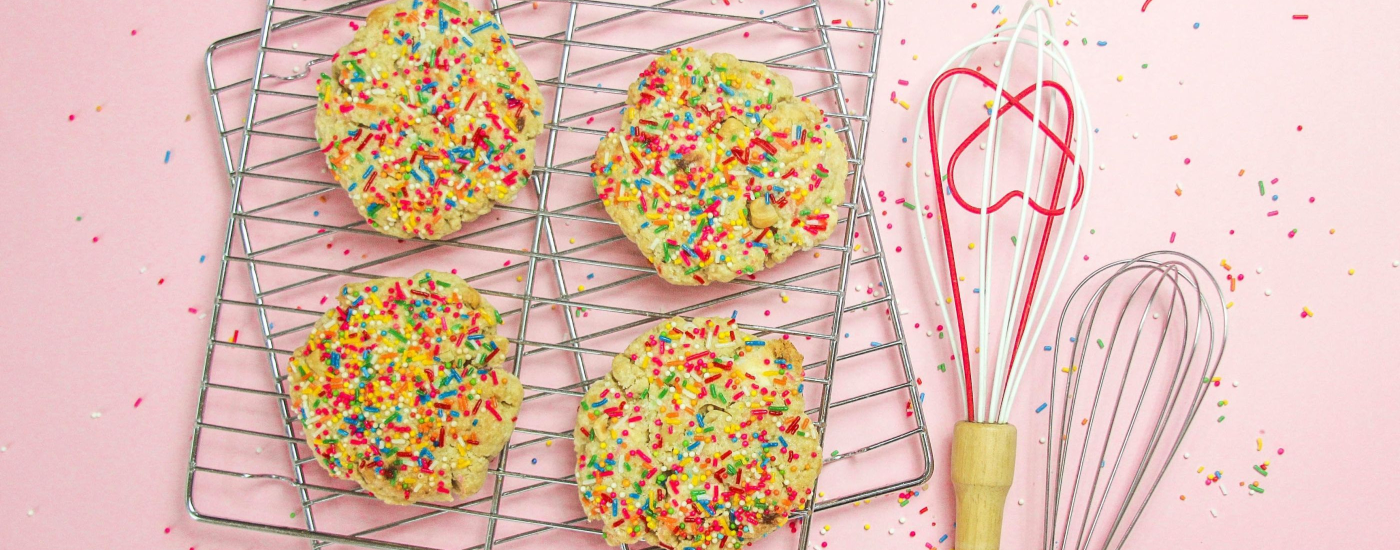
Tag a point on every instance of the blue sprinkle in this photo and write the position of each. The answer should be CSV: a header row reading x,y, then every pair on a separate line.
x,y
534,461
874,344
167,157
1048,348
201,258
1072,339
994,10
1275,197
590,276
1040,408
945,537
755,343
1103,42
1196,26
976,291
315,213
904,140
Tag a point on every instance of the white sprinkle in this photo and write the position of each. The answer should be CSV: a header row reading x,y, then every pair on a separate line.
x,y
1156,315
258,450
902,520
1042,441
1222,489
928,333
1135,135
1259,269
31,511
1021,502
928,173
982,146
1268,292
1213,513
143,269
96,414
1185,455
3,448
1395,263
860,45
1102,167
996,63
891,530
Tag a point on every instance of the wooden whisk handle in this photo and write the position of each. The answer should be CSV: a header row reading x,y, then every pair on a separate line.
x,y
984,461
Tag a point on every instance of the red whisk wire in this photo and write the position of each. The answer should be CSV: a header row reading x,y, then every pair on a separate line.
x,y
1066,157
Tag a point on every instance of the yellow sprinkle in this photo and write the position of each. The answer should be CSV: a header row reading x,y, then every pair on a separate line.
x,y
1003,22
785,298
902,103
1229,305
971,246
549,443
1351,272
916,57
1201,469
580,288
99,108
1120,78
1259,444
867,526
857,247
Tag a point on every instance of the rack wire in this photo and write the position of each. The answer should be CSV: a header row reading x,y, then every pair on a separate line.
x,y
571,288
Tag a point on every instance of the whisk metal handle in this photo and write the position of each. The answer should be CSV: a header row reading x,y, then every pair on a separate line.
x,y
984,462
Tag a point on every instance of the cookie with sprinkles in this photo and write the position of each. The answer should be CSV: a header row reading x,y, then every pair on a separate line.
x,y
717,170
697,438
428,117
399,388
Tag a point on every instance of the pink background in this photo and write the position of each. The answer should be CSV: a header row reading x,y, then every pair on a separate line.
x,y
90,329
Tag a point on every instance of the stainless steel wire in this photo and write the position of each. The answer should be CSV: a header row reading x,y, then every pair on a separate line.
x,y
1145,339
263,243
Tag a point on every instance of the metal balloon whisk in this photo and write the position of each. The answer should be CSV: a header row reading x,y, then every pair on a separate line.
x,y
1145,338
1013,262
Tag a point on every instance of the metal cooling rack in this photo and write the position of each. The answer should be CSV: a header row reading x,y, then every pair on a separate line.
x,y
288,225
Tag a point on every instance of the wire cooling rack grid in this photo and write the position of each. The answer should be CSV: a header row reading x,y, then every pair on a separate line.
x,y
572,290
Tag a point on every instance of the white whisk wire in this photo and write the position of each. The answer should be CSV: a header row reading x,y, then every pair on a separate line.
x,y
994,401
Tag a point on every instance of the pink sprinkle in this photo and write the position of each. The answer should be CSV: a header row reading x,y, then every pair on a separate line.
x,y
1188,160
1086,257
133,32
1312,200
323,299
354,26
903,82
1280,450
1273,213
348,108
767,313
1275,180
1173,239
589,121
193,310
1300,18
94,239
893,99
746,34
167,530
507,264
71,117
899,249
138,404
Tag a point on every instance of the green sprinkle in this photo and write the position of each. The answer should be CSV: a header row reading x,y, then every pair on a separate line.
x,y
910,206
1221,419
1261,188
942,367
1100,343
1256,489
1261,471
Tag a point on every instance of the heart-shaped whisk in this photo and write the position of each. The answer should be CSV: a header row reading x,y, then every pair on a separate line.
x,y
1035,256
